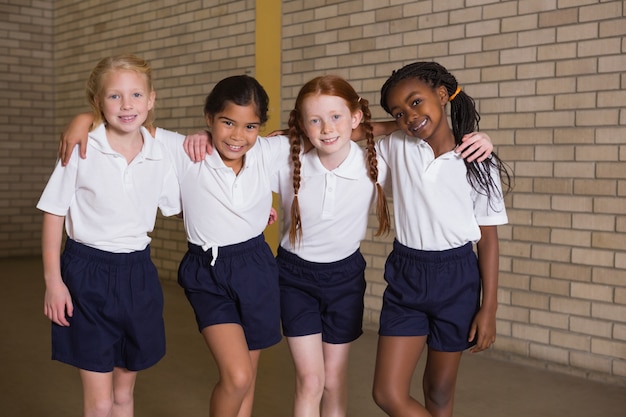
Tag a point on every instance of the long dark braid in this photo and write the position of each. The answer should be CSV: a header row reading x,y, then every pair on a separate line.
x,y
464,118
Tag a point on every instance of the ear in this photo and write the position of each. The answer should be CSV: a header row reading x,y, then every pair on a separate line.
x,y
209,120
357,116
442,92
151,99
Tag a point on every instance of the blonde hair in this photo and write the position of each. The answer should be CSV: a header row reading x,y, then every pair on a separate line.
x,y
331,85
95,84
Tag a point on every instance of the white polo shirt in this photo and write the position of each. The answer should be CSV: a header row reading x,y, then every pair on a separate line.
x,y
109,204
435,207
219,207
334,206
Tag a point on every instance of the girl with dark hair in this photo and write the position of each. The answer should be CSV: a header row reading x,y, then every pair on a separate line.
x,y
229,273
442,206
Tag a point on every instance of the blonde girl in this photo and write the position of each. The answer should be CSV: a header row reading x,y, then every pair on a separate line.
x,y
103,293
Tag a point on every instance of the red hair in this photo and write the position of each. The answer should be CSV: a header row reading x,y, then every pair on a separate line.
x,y
331,85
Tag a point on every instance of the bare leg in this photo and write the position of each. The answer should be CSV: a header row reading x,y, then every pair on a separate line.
x,y
440,381
123,392
396,360
97,393
227,343
308,359
335,398
248,400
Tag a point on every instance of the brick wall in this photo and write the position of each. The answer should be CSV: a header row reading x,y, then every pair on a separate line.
x,y
190,45
548,76
26,120
549,80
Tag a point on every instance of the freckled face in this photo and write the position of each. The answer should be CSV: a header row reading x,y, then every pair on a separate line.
x,y
328,123
419,109
234,131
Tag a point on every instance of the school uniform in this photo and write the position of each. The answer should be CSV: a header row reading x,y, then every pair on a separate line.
x,y
110,207
322,276
432,272
229,273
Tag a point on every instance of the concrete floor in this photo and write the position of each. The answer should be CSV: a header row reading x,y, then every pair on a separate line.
x,y
32,385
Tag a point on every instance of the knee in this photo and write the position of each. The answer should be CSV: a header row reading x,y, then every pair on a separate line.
x,y
99,408
439,395
310,384
383,397
238,382
123,399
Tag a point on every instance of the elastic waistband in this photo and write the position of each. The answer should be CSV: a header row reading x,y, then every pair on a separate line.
x,y
294,259
433,256
93,254
236,249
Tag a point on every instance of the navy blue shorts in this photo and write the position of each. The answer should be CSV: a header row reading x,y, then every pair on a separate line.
x,y
118,310
241,288
434,293
324,298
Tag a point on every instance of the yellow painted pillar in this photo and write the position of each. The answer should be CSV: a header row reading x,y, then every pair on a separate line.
x,y
267,72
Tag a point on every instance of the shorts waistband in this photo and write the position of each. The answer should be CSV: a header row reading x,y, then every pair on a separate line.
x,y
236,249
93,254
298,261
435,256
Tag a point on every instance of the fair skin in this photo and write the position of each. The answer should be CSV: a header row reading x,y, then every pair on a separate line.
x,y
419,110
125,102
328,124
322,368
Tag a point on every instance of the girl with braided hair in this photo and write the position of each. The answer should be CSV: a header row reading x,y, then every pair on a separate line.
x,y
321,270
442,206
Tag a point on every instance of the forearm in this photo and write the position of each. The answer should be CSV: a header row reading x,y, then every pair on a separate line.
x,y
488,264
51,237
384,128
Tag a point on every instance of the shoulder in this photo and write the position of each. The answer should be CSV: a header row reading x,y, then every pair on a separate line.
x,y
389,142
164,134
273,141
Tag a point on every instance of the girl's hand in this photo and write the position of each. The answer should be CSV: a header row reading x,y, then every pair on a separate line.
x,y
58,302
198,145
273,216
75,133
483,330
476,146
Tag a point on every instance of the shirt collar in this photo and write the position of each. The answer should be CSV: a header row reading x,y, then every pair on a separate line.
x,y
351,168
149,150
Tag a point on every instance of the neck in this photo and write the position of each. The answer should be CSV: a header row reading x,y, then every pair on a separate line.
x,y
333,160
442,145
126,144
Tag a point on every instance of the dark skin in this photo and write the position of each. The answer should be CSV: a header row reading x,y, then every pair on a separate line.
x,y
419,110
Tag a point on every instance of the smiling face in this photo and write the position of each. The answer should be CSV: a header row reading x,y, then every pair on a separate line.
x,y
234,131
328,123
419,109
126,100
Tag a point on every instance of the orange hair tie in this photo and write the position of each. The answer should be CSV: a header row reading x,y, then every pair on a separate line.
x,y
458,90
